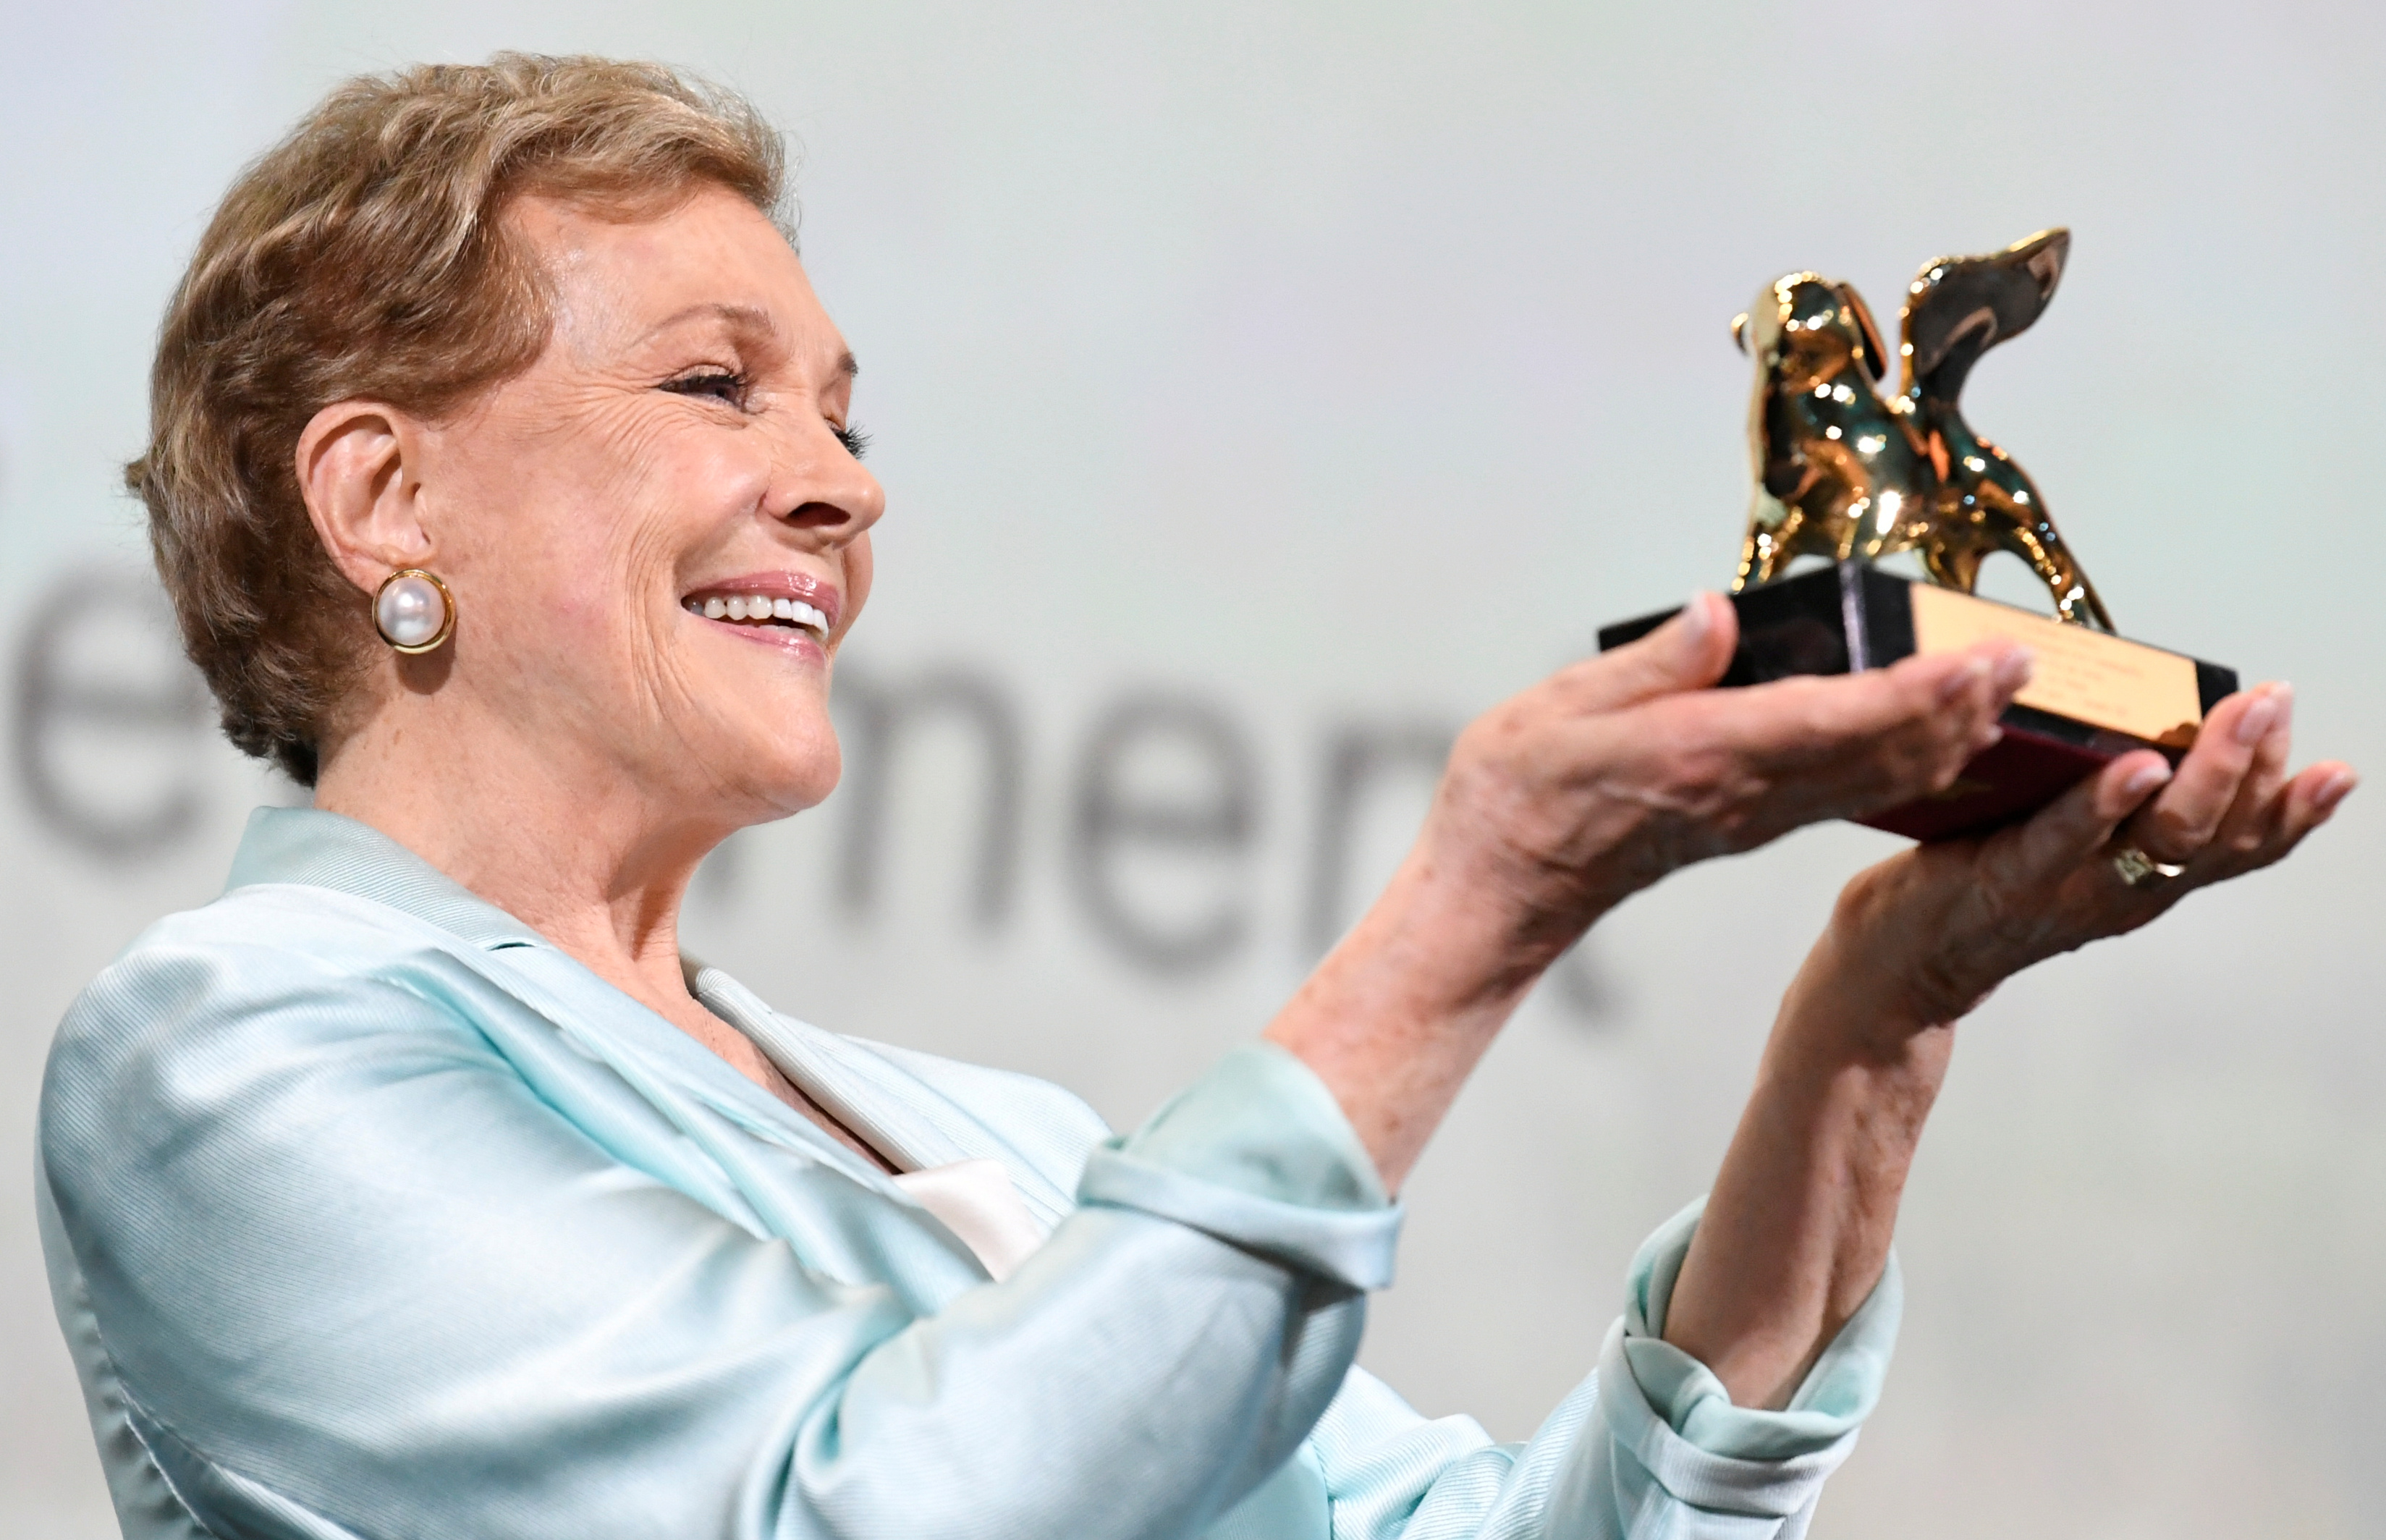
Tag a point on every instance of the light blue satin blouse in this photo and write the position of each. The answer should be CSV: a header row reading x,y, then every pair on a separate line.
x,y
370,1212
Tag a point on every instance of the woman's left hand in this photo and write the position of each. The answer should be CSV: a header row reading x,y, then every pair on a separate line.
x,y
1798,1227
1942,925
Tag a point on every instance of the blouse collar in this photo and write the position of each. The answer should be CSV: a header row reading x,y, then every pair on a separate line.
x,y
912,1122
331,850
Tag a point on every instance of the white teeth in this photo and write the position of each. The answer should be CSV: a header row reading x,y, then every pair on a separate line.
x,y
760,607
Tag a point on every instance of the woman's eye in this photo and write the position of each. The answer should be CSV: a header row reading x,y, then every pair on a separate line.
x,y
856,441
720,384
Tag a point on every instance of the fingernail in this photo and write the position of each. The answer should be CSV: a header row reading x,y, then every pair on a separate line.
x,y
2146,779
1961,681
2337,788
1697,617
2014,671
2257,718
2284,693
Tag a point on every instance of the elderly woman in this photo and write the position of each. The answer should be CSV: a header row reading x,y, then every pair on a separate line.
x,y
503,477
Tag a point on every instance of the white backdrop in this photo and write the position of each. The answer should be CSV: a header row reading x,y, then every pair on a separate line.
x,y
1262,390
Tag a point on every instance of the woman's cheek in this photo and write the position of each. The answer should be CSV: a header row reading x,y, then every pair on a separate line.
x,y
861,568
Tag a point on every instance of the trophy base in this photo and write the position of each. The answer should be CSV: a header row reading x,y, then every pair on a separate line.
x,y
2092,698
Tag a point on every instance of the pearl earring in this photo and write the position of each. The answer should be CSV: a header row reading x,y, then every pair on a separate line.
x,y
413,611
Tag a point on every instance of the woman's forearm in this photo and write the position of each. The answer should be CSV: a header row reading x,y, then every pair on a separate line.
x,y
1798,1227
1397,1016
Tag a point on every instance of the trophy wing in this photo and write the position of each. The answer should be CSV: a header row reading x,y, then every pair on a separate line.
x,y
1960,307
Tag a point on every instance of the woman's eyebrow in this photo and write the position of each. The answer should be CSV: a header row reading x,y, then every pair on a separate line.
x,y
750,318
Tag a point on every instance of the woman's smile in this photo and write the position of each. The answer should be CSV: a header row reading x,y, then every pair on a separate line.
x,y
790,610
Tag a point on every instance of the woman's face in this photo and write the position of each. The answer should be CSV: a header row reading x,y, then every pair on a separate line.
x,y
657,535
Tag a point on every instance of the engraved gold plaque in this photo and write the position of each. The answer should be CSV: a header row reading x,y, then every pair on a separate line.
x,y
2086,675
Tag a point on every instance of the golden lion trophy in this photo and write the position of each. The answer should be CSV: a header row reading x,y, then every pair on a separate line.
x,y
1844,473
1850,475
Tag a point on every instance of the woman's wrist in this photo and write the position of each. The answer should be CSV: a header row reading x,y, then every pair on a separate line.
x,y
1399,1013
1884,957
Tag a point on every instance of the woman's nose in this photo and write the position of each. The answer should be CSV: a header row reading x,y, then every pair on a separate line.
x,y
824,488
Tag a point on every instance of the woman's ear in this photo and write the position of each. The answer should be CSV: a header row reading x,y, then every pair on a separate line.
x,y
359,471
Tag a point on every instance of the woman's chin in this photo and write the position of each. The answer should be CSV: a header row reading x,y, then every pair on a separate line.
x,y
747,750
773,782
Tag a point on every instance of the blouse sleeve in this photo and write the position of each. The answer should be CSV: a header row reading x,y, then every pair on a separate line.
x,y
339,1270
1648,1445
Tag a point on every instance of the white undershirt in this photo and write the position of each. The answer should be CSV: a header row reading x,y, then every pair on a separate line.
x,y
975,1200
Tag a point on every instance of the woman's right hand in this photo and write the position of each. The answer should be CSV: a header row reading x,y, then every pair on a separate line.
x,y
1593,785
1561,802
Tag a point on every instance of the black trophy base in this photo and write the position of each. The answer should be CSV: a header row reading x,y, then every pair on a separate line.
x,y
2093,697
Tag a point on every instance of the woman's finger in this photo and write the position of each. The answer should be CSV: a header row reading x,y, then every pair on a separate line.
x,y
1943,701
1801,750
2183,819
2076,826
2308,801
2254,819
1689,652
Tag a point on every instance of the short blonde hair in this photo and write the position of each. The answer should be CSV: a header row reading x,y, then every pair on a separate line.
x,y
364,256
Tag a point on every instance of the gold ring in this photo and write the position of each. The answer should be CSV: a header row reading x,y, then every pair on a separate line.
x,y
2137,867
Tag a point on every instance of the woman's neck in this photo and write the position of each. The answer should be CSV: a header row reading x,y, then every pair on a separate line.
x,y
571,849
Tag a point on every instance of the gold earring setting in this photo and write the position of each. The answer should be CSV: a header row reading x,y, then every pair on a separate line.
x,y
413,611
